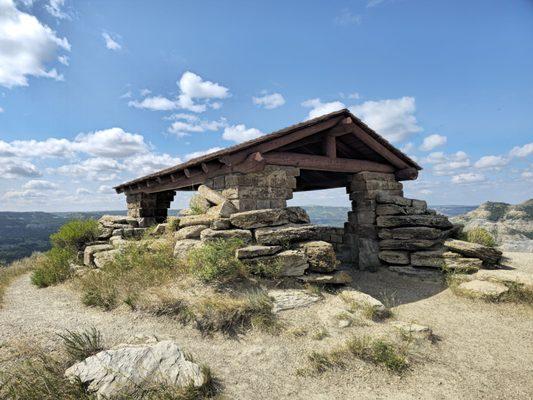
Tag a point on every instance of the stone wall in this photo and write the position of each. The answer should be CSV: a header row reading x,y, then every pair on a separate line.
x,y
333,235
270,188
149,208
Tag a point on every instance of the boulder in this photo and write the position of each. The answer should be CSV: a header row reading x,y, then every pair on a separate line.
x,y
432,221
412,329
257,251
385,198
287,299
361,300
160,229
260,218
123,369
190,232
482,289
508,277
199,203
297,215
413,244
288,263
105,233
409,233
211,195
489,255
118,241
337,278
462,264
209,235
223,210
220,224
182,247
320,255
103,257
201,219
394,257
90,251
110,220
416,272
286,234
431,258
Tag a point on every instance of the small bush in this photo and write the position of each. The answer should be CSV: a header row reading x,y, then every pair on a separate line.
x,y
173,224
53,267
74,234
81,345
479,236
379,352
215,261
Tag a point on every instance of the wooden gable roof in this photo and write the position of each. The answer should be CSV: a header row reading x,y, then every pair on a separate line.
x,y
327,150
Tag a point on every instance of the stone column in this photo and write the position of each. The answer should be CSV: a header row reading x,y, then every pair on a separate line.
x,y
270,188
149,208
360,230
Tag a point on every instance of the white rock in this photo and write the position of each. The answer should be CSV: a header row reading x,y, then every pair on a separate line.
x,y
361,299
483,289
286,299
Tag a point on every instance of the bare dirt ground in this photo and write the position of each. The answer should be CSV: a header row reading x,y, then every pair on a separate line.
x,y
485,352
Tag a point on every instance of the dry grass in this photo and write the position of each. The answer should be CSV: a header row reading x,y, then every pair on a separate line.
x,y
16,269
80,345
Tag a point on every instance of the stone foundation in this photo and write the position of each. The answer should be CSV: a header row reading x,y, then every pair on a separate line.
x,y
149,208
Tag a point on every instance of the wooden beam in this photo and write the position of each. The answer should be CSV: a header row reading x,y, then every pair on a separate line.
x,y
205,168
407,174
330,146
187,172
322,163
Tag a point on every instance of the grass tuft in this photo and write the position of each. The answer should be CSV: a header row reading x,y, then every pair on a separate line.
x,y
80,345
53,267
479,236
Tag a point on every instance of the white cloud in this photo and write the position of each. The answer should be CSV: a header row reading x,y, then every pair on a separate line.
x,y
98,168
38,184
318,108
155,103
26,46
185,128
373,3
527,175
346,17
407,147
425,191
522,151
11,168
80,191
184,116
105,189
1,110
392,118
200,153
63,60
150,162
194,87
432,141
54,8
269,101
145,92
487,162
239,133
447,164
126,95
468,177
24,195
110,43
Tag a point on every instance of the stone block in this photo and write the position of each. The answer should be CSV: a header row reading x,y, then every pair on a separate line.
x,y
209,235
201,219
289,263
433,259
190,232
260,218
182,247
220,224
394,257
199,203
433,221
372,194
223,210
367,253
257,251
357,186
320,255
211,195
90,251
413,244
372,176
387,198
291,233
408,233
338,278
489,255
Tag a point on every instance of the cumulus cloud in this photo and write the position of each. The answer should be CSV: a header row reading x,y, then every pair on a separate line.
x,y
11,168
105,189
468,177
55,8
487,162
432,141
28,194
239,133
150,162
522,151
447,164
39,184
195,87
63,60
97,168
182,128
110,43
269,101
200,153
155,103
318,108
81,191
392,118
26,46
408,147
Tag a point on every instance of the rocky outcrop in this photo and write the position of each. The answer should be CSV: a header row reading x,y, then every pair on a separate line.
x,y
128,367
490,256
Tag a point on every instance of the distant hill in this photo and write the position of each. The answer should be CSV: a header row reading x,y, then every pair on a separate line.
x,y
511,225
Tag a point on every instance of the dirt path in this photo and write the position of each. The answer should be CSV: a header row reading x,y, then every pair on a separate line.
x,y
486,350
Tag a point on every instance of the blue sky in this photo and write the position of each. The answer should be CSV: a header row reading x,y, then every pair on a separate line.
x,y
93,93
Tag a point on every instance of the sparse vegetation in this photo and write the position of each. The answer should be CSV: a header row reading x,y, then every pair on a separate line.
x,y
320,333
14,270
80,345
74,234
172,224
479,236
53,267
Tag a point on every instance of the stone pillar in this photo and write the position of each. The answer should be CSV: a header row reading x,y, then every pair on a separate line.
x,y
149,208
270,188
360,230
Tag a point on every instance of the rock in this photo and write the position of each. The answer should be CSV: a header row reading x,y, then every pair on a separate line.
x,y
186,212
257,251
344,323
211,195
385,198
393,209
286,234
199,203
121,370
409,233
482,289
209,235
489,255
201,219
362,300
412,329
287,263
394,257
320,255
432,258
432,221
182,247
462,264
508,277
286,299
416,272
105,233
260,218
220,224
190,232
160,229
413,244
223,210
103,257
117,241
297,215
90,251
110,220
338,278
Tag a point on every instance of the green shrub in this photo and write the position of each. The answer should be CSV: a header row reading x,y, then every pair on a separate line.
x,y
215,261
173,224
379,352
480,236
53,267
81,345
74,234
